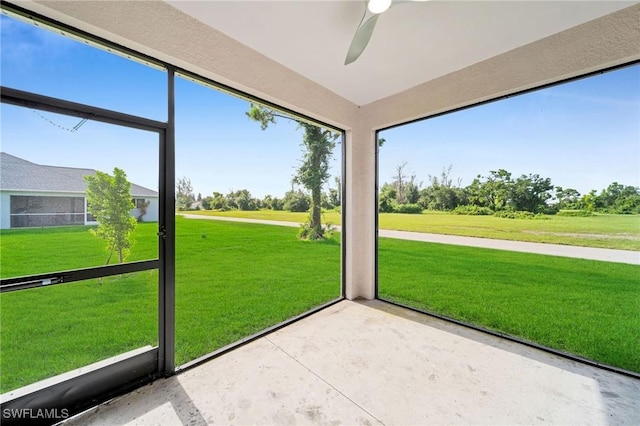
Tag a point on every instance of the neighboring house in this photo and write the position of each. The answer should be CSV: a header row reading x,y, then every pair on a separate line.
x,y
33,195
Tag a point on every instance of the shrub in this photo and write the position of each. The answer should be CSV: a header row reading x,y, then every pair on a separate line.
x,y
628,205
296,201
508,214
541,216
473,210
408,208
386,204
575,213
277,204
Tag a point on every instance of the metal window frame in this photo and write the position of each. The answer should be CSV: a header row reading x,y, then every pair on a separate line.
x,y
80,392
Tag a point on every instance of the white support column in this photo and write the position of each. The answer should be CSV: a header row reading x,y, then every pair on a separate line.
x,y
360,213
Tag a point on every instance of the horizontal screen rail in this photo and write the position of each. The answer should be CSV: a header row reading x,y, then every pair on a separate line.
x,y
74,109
53,278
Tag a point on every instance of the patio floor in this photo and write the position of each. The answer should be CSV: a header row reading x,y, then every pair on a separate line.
x,y
368,362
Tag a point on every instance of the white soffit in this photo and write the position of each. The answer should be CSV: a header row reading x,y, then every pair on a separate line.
x,y
413,42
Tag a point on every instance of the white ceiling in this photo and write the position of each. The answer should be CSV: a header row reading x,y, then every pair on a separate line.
x,y
413,42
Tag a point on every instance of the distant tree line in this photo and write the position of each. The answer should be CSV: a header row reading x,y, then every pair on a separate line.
x,y
497,193
295,200
502,194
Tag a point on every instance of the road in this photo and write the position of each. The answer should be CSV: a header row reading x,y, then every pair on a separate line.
x,y
606,255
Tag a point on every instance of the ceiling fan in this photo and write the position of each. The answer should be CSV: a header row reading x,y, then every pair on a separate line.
x,y
363,34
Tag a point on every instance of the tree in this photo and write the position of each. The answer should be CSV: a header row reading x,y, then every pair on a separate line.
x,y
530,193
387,198
618,198
206,202
218,202
399,181
109,201
335,194
184,194
296,201
241,200
588,201
313,172
492,191
272,203
441,194
568,198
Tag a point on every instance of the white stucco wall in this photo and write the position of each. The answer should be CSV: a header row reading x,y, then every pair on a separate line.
x,y
5,212
152,210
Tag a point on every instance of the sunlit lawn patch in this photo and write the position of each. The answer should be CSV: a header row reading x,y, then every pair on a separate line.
x,y
586,307
602,230
232,280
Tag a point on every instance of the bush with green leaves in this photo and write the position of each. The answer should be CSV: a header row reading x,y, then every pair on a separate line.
x,y
473,210
272,203
241,200
296,201
408,208
509,214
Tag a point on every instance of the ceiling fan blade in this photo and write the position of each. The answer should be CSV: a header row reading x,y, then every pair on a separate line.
x,y
361,37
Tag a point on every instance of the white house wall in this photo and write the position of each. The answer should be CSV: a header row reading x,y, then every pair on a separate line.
x,y
5,210
152,210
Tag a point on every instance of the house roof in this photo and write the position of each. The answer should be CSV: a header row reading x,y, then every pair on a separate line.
x,y
17,174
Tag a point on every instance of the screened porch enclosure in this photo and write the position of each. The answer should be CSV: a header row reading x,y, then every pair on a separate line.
x,y
34,211
211,321
105,326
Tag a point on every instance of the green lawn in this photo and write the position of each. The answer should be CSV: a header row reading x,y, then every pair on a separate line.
x,y
602,230
585,307
232,280
235,279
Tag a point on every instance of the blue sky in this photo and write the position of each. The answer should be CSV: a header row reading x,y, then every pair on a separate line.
x,y
584,135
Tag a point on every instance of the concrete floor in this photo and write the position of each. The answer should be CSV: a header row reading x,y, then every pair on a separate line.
x,y
366,363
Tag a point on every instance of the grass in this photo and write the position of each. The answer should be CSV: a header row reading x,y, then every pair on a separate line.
x,y
585,307
248,283
602,230
255,276
40,250
51,330
233,279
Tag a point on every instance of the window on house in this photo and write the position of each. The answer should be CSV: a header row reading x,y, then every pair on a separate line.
x,y
508,199
139,203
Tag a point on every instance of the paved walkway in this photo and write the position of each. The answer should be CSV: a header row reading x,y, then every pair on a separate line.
x,y
607,255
